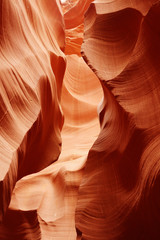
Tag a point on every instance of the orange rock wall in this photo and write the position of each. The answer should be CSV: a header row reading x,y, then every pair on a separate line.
x,y
79,120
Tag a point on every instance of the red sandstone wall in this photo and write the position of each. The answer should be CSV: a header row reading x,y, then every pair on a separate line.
x,y
79,120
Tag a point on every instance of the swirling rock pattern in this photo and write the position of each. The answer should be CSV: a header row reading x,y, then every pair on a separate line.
x,y
65,174
122,190
30,89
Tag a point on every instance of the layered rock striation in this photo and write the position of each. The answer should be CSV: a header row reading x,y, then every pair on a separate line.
x,y
79,119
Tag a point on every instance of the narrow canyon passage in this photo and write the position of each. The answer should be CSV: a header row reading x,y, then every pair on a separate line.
x,y
79,120
54,190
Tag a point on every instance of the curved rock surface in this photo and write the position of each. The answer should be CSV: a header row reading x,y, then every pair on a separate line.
x,y
32,68
65,174
122,48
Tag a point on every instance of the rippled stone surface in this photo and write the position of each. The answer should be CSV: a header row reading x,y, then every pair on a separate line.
x,y
79,120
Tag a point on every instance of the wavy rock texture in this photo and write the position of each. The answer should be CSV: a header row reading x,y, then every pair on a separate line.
x,y
32,68
121,178
64,173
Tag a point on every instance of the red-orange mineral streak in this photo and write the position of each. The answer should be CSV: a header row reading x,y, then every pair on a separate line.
x,y
64,173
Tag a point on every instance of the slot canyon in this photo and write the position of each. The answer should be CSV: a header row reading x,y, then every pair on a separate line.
x,y
79,120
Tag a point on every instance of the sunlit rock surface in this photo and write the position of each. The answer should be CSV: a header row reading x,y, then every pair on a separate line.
x,y
32,68
79,120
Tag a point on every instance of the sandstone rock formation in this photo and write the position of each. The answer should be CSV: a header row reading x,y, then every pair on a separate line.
x,y
122,48
79,119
